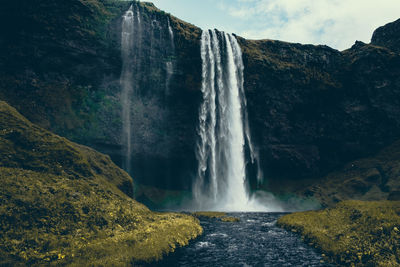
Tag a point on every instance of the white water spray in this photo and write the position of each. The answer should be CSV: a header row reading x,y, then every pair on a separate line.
x,y
170,64
223,130
126,81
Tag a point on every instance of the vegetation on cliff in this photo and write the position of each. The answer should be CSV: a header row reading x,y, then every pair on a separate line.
x,y
60,204
354,233
372,178
313,109
60,66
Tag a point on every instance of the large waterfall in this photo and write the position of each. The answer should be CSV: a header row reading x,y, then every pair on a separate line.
x,y
224,135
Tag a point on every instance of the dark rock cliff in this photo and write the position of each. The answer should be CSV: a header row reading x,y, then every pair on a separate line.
x,y
60,66
388,36
311,108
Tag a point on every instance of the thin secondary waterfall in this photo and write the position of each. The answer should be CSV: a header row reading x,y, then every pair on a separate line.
x,y
223,127
170,65
148,66
126,80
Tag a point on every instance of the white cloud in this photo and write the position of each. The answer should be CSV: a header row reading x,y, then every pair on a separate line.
x,y
337,23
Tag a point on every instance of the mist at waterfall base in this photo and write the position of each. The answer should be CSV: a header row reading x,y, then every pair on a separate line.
x,y
227,158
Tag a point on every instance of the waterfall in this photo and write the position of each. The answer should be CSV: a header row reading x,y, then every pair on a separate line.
x,y
170,64
126,80
171,35
148,66
223,128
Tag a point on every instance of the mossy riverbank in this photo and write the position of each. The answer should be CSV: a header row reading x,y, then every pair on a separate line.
x,y
222,216
61,204
354,233
368,179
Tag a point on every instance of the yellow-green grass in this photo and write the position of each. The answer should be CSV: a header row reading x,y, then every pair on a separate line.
x,y
230,219
27,146
209,214
354,233
222,216
61,204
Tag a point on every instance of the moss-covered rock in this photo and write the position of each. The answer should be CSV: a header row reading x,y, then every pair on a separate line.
x,y
222,216
354,233
61,205
210,214
230,219
388,36
313,109
60,66
372,178
27,146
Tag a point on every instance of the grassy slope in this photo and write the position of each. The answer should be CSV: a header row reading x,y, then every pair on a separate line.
x,y
27,146
60,204
353,233
373,178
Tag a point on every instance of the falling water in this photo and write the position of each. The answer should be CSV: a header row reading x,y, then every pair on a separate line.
x,y
148,66
223,127
170,65
171,35
126,80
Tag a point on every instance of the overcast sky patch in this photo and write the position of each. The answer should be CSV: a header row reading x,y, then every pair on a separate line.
x,y
337,23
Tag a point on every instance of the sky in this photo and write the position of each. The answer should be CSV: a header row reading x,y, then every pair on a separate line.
x,y
336,23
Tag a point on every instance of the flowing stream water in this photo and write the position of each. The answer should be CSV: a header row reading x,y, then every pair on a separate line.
x,y
223,128
253,241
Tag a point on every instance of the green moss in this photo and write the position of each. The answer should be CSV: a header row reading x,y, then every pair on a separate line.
x,y
230,219
353,233
222,216
61,205
27,146
373,178
290,58
209,214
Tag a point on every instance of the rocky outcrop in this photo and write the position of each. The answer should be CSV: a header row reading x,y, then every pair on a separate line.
x,y
61,204
61,66
388,36
373,178
311,108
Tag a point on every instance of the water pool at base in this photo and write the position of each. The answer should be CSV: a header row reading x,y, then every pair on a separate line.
x,y
254,241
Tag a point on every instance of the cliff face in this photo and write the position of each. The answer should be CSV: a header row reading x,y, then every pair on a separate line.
x,y
388,36
311,108
61,66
